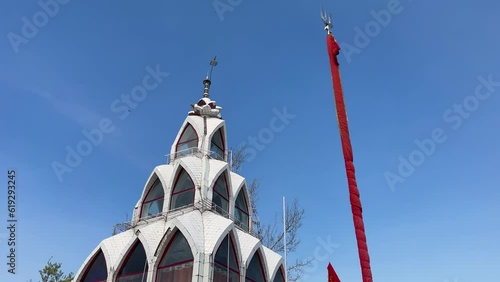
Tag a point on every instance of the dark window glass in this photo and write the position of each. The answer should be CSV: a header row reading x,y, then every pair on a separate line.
x,y
135,268
217,145
255,271
279,276
189,139
241,210
221,195
225,266
153,203
97,271
183,192
177,261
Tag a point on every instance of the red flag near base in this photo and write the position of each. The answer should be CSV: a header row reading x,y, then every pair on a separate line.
x,y
332,276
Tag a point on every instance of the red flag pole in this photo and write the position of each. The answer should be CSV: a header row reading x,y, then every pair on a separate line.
x,y
333,51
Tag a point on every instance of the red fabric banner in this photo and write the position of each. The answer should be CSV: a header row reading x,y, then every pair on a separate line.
x,y
333,51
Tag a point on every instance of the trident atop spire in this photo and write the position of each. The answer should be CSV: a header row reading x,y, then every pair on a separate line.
x,y
327,20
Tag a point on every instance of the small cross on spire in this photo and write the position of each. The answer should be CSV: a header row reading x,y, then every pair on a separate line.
x,y
213,63
207,81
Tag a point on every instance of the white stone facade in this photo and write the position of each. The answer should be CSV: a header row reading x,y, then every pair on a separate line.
x,y
198,168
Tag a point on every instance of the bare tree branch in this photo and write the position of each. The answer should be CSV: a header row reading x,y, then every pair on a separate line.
x,y
271,234
239,156
296,270
253,190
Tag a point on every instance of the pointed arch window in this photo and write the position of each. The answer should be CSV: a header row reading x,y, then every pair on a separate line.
x,y
189,139
153,202
226,262
177,261
217,145
97,271
279,276
241,213
255,271
183,192
135,267
220,197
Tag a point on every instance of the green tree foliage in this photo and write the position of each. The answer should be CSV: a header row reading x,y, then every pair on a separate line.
x,y
52,272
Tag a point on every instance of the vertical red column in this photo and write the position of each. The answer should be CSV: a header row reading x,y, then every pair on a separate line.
x,y
333,51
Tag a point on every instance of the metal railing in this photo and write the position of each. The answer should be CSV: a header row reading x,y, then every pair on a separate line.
x,y
203,205
208,205
195,152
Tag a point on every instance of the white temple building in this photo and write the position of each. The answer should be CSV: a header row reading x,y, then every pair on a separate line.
x,y
193,220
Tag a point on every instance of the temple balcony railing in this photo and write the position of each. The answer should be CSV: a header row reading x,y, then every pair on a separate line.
x,y
197,152
208,205
202,206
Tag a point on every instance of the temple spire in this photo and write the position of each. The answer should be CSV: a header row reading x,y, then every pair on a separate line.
x,y
207,81
206,107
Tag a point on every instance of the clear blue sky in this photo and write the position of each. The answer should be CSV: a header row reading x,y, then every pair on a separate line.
x,y
441,223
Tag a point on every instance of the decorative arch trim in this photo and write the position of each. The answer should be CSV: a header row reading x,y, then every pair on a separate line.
x,y
183,189
176,263
217,143
176,226
223,234
279,275
97,256
242,209
164,174
154,197
252,264
221,194
140,269
188,138
226,259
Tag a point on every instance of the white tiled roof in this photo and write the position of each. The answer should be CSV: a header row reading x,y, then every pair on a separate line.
x,y
248,245
116,246
274,261
237,182
215,229
151,236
